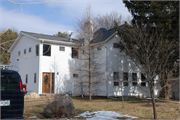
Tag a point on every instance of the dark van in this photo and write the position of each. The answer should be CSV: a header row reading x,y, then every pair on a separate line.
x,y
12,95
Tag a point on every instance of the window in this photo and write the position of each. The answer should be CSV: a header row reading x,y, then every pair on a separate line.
x,y
26,78
37,50
143,80
46,50
61,48
34,77
99,48
116,76
143,84
125,83
30,49
74,52
134,83
115,45
24,51
116,83
134,79
75,75
125,78
19,53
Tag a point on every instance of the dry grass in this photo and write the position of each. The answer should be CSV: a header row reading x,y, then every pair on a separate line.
x,y
166,109
33,95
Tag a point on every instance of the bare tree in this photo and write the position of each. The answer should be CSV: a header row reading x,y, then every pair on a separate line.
x,y
89,69
107,21
144,46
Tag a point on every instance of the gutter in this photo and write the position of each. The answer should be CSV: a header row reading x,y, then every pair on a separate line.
x,y
57,42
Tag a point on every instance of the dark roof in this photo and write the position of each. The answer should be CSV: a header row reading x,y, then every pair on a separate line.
x,y
99,36
43,36
102,34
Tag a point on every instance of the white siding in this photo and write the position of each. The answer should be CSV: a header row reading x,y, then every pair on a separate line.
x,y
61,63
27,66
119,62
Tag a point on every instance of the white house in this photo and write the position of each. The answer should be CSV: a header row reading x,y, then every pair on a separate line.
x,y
45,65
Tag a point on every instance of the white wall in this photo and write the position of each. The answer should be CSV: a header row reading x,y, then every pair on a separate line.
x,y
27,66
175,91
119,62
59,63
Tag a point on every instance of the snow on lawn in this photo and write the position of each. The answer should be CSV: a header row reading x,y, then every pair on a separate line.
x,y
103,115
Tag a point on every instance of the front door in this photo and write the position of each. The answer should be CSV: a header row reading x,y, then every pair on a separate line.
x,y
47,85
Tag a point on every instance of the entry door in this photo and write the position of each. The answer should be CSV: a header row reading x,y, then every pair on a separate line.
x,y
46,82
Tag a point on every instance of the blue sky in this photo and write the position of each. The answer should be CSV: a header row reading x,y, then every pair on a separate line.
x,y
52,17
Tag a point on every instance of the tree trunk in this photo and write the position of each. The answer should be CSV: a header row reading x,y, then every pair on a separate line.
x,y
90,88
122,95
153,101
166,94
89,73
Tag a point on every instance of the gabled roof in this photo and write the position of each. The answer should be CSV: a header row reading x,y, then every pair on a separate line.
x,y
102,34
43,36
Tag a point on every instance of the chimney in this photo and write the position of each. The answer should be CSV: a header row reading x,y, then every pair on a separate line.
x,y
88,27
70,33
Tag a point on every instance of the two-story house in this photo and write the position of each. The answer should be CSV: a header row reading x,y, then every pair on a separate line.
x,y
45,64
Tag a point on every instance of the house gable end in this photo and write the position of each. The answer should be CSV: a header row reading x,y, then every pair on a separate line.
x,y
19,38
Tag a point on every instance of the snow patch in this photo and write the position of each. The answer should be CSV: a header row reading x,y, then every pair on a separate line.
x,y
103,115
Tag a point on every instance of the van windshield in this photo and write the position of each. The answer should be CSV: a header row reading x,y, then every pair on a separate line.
x,y
9,82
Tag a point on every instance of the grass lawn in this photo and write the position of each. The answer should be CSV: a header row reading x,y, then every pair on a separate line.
x,y
141,108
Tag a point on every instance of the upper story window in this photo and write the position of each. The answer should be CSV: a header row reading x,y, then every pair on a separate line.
x,y
26,78
74,52
24,51
98,48
46,50
37,50
134,79
116,75
115,45
143,80
19,53
125,78
30,49
75,75
61,48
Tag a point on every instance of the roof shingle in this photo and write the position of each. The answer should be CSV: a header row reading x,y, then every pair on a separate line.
x,y
43,36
